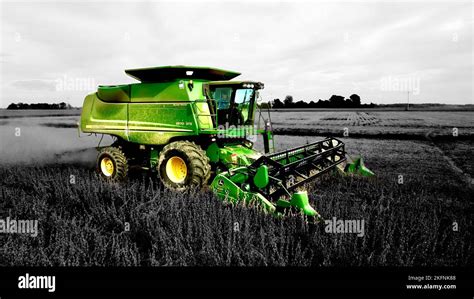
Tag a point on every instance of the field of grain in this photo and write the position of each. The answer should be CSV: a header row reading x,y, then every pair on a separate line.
x,y
83,222
377,124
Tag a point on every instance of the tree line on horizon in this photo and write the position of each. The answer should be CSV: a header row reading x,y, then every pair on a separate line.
x,y
39,106
335,101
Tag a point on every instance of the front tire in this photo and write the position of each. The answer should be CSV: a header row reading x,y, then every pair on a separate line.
x,y
112,164
182,165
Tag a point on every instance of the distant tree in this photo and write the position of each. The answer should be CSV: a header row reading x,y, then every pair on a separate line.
x,y
321,104
355,100
336,101
277,103
300,104
288,102
39,106
12,106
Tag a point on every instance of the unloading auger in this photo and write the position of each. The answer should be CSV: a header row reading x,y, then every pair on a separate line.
x,y
191,126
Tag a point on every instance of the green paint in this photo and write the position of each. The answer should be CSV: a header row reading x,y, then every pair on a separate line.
x,y
358,167
261,178
153,158
226,189
301,201
213,152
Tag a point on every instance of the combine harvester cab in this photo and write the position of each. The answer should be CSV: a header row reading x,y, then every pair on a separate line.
x,y
191,126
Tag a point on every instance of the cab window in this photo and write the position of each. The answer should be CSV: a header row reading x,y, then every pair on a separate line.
x,y
242,101
222,95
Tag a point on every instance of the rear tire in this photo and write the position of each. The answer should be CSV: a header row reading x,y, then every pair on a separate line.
x,y
112,164
183,165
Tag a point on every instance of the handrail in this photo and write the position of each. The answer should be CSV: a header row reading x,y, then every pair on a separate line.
x,y
213,116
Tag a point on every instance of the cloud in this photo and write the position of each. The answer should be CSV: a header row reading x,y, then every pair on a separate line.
x,y
309,50
35,85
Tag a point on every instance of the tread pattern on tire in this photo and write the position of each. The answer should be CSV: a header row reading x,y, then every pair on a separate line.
x,y
200,166
120,163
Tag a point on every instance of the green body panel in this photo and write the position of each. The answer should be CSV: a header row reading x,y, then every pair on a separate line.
x,y
237,155
113,94
212,152
104,117
175,91
261,178
148,113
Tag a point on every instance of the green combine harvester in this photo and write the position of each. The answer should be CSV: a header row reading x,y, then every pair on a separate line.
x,y
193,126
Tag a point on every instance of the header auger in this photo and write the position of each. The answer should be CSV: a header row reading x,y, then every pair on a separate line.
x,y
191,125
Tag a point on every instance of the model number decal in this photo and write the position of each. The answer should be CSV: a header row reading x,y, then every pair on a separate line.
x,y
182,123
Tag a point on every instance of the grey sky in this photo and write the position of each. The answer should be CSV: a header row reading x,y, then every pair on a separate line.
x,y
54,51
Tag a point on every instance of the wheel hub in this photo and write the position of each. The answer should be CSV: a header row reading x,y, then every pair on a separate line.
x,y
107,166
176,169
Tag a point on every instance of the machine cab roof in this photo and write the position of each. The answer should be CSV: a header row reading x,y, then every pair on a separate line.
x,y
172,73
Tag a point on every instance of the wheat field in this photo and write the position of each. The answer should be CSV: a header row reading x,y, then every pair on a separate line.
x,y
47,173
